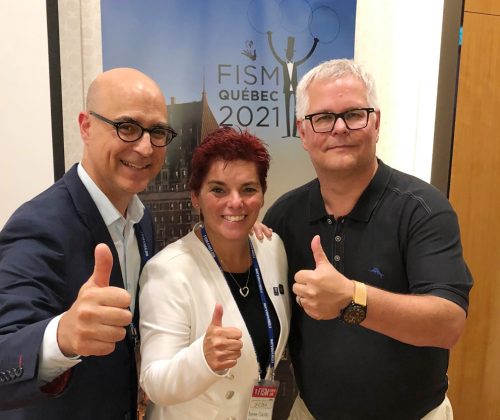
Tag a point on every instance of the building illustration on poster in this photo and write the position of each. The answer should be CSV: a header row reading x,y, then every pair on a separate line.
x,y
168,196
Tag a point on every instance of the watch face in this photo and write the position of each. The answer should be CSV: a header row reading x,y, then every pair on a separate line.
x,y
353,314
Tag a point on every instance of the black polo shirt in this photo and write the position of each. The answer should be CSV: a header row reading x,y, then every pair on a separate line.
x,y
401,236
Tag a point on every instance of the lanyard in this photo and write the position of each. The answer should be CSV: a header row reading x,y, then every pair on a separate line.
x,y
143,245
145,256
262,294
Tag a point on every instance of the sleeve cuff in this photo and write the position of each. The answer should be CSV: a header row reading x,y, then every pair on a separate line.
x,y
52,363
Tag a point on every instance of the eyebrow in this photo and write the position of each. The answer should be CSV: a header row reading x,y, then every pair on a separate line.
x,y
347,110
126,118
217,182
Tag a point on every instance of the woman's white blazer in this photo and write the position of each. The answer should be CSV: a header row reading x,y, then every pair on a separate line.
x,y
179,288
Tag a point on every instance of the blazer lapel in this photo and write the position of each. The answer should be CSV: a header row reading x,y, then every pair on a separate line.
x,y
88,212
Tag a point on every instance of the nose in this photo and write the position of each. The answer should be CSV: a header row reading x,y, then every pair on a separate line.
x,y
143,146
339,126
235,200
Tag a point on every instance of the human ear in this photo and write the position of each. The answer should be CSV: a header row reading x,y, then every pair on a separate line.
x,y
84,124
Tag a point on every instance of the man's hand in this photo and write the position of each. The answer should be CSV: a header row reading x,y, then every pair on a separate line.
x,y
322,292
260,230
221,345
98,317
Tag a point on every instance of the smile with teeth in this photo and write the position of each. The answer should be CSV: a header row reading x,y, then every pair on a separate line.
x,y
132,165
234,218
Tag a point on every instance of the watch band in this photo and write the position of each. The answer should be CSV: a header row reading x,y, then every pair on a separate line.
x,y
355,312
360,293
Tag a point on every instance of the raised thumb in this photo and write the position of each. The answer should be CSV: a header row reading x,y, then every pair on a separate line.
x,y
103,265
217,315
318,253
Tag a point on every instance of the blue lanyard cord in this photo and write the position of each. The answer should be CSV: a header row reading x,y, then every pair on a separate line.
x,y
263,299
145,254
262,294
210,247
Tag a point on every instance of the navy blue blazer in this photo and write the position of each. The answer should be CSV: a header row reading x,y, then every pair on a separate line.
x,y
46,254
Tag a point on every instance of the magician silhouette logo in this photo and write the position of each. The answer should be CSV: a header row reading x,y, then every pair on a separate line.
x,y
285,41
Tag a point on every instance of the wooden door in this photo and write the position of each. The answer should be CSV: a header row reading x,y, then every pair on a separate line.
x,y
489,7
475,194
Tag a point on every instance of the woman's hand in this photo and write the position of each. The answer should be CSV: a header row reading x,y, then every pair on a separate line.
x,y
222,345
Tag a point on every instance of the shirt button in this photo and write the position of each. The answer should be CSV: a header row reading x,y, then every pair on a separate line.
x,y
337,258
338,238
229,395
329,221
230,376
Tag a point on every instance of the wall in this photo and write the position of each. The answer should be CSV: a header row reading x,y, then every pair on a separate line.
x,y
399,43
81,62
390,42
26,164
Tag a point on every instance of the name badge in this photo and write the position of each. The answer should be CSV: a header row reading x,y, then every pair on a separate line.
x,y
264,395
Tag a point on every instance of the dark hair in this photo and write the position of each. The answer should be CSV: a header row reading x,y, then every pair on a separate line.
x,y
227,144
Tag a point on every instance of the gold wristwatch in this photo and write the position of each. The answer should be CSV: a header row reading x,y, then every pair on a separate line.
x,y
355,312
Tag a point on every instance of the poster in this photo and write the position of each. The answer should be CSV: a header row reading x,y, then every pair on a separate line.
x,y
232,62
226,62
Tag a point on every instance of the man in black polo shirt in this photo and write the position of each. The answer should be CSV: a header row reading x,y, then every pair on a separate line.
x,y
375,262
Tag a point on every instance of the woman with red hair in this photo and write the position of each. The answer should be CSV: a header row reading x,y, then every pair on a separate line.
x,y
214,304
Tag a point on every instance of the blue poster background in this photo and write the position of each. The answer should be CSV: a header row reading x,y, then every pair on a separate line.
x,y
221,46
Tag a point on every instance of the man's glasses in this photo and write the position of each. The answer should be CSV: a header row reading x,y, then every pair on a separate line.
x,y
131,131
354,119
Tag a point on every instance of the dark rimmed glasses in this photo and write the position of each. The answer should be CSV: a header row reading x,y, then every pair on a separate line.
x,y
354,119
129,131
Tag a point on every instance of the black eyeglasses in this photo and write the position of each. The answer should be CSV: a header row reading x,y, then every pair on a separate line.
x,y
354,119
129,131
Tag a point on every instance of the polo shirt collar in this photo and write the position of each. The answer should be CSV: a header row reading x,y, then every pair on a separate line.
x,y
366,204
372,195
317,209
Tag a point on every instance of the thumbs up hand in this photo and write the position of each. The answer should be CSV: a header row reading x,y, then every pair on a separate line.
x,y
99,315
322,292
102,268
221,345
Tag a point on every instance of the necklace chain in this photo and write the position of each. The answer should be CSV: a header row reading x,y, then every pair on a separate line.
x,y
244,290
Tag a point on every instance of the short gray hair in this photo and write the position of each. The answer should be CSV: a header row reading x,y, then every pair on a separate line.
x,y
333,69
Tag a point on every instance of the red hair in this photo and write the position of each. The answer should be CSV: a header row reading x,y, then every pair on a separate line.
x,y
227,144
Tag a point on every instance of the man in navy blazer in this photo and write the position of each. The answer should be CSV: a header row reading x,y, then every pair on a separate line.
x,y
70,259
